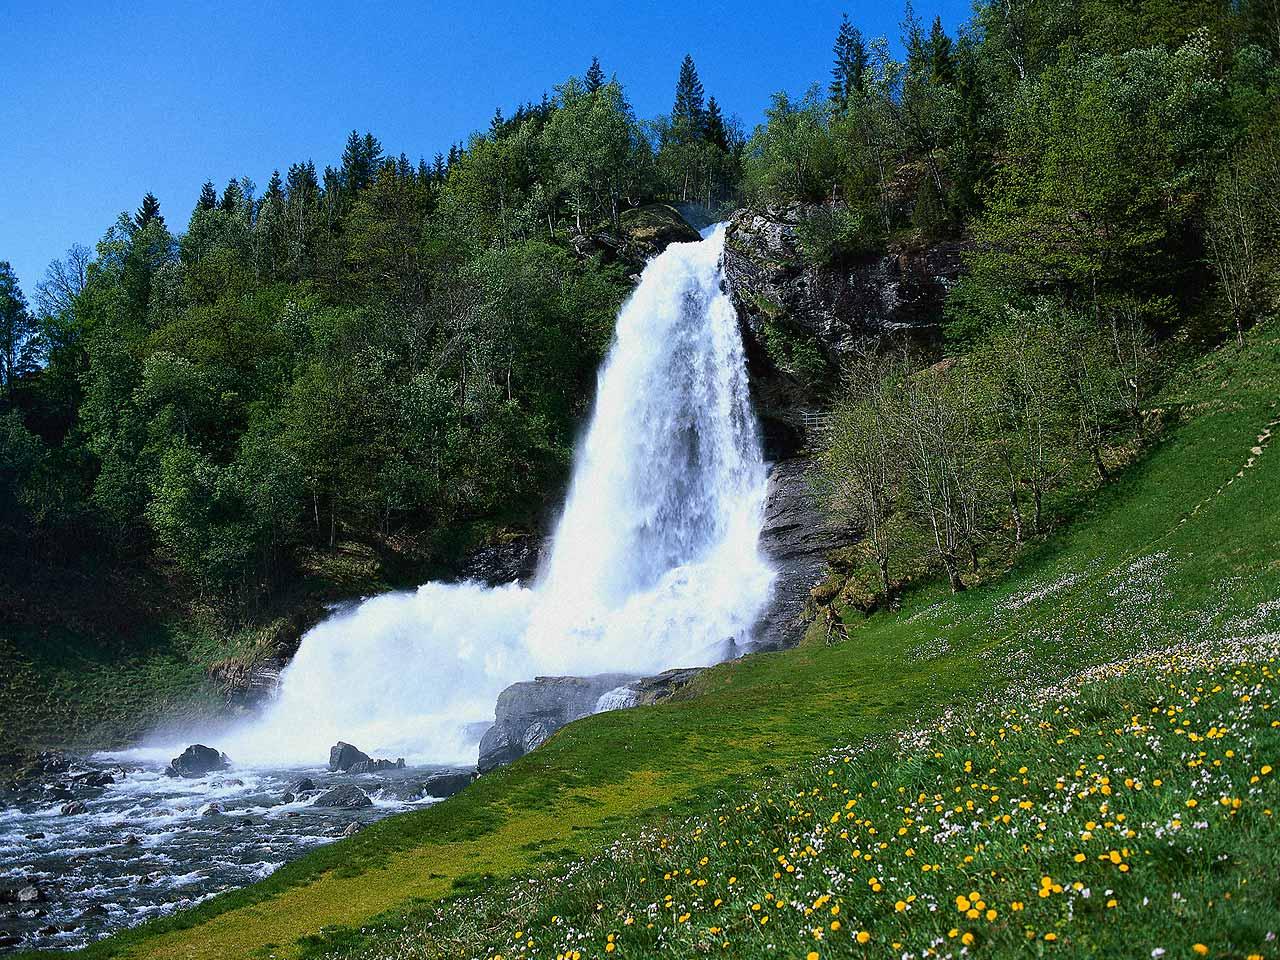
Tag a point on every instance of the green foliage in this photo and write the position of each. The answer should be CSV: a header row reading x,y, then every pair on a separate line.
x,y
793,154
831,236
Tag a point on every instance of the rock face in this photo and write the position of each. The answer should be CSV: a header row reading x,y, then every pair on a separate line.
x,y
841,307
443,785
796,538
348,797
514,558
196,761
527,713
343,755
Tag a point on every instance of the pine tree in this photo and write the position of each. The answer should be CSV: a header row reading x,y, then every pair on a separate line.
x,y
716,132
232,197
438,169
688,116
496,123
595,76
942,64
208,196
849,75
148,212
361,158
275,187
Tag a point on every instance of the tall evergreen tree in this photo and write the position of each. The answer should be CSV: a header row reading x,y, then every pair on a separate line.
x,y
275,187
232,196
849,73
595,76
942,62
688,115
208,196
148,212
716,131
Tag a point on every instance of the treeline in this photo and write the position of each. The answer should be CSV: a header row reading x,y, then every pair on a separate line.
x,y
1112,168
374,350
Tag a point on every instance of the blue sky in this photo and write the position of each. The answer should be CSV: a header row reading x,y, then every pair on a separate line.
x,y
100,105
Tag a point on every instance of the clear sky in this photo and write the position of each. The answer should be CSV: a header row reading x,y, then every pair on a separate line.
x,y
102,102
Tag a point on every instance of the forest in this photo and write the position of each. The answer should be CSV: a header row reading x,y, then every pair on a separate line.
x,y
389,348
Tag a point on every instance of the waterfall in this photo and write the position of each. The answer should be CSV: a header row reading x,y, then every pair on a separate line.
x,y
654,562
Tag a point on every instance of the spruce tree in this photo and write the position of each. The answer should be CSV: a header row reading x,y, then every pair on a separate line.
x,y
18,330
688,116
275,187
848,75
232,196
942,64
208,196
148,212
595,76
716,132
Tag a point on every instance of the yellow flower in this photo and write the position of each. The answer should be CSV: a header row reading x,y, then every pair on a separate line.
x,y
863,936
813,955
900,906
1200,948
967,939
610,947
1051,937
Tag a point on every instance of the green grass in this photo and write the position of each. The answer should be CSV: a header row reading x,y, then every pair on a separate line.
x,y
1143,570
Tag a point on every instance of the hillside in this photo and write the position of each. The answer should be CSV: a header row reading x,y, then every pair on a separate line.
x,y
1177,555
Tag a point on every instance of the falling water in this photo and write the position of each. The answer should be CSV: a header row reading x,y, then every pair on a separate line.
x,y
654,563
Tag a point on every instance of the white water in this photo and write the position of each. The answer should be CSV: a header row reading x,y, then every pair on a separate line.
x,y
654,563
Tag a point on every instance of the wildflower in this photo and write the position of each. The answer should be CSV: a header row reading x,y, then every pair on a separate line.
x,y
863,936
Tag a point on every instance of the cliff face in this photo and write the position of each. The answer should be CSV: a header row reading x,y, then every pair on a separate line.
x,y
841,307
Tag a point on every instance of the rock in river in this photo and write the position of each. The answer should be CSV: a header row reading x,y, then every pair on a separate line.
x,y
348,797
343,755
196,761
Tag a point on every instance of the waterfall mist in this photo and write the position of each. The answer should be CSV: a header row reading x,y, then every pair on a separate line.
x,y
654,562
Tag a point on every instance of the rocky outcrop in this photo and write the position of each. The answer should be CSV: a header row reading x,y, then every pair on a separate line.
x,y
374,766
443,785
841,306
644,232
515,557
342,755
796,538
527,713
197,761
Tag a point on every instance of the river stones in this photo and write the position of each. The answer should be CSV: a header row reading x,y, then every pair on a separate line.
x,y
73,808
343,755
196,761
347,797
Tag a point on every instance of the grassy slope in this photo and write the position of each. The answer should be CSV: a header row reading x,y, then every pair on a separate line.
x,y
1143,569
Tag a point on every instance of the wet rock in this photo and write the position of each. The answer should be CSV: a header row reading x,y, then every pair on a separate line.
x,y
30,894
35,836
73,808
131,840
93,778
372,766
508,558
661,687
796,538
343,755
347,797
288,798
527,713
197,761
212,810
444,785
9,940
303,786
352,829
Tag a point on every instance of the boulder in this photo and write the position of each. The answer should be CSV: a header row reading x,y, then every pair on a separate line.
x,y
304,785
343,755
197,761
529,712
442,785
511,557
73,808
30,894
347,797
352,829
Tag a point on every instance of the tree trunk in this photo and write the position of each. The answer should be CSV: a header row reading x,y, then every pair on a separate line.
x,y
953,575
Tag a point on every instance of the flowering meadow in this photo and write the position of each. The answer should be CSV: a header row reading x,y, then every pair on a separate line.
x,y
1128,811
